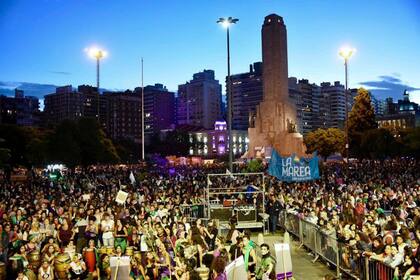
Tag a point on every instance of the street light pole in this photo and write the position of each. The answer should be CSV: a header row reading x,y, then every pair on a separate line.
x,y
97,84
97,54
142,112
226,22
346,53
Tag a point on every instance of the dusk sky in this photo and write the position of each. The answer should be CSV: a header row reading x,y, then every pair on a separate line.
x,y
43,41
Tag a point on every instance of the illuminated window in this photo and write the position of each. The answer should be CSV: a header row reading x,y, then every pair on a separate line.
x,y
147,115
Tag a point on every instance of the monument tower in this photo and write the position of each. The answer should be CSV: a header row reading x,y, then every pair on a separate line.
x,y
274,124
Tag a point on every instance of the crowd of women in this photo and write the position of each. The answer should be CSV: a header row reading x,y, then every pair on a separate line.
x,y
73,228
370,210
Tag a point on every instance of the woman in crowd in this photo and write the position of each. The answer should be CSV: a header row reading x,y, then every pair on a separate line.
x,y
120,235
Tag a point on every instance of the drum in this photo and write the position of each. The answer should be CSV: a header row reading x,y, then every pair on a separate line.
x,y
129,251
34,259
203,272
137,256
110,250
2,271
62,265
30,274
90,258
102,250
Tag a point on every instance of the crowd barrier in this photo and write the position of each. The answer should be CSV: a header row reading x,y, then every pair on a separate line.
x,y
193,211
323,244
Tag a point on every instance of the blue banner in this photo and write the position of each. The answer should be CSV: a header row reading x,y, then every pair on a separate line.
x,y
293,168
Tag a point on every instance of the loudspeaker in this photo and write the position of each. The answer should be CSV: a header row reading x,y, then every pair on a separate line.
x,y
248,215
223,214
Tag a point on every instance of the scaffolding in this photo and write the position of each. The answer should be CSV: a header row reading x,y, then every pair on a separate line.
x,y
237,195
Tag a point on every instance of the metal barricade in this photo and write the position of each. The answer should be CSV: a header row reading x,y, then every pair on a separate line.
x,y
323,243
326,246
309,234
292,224
379,271
192,211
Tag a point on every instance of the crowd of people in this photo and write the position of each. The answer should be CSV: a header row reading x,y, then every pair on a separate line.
x,y
371,209
73,228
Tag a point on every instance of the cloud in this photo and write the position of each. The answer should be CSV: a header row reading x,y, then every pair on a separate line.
x,y
30,89
388,86
60,72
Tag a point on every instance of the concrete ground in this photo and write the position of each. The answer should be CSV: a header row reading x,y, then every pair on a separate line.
x,y
302,265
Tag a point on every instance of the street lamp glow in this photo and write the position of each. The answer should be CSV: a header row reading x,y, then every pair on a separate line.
x,y
226,22
96,53
346,52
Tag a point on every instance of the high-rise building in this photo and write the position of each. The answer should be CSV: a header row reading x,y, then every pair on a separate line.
x,y
20,110
69,104
159,109
247,93
123,115
306,97
332,105
378,105
400,115
199,101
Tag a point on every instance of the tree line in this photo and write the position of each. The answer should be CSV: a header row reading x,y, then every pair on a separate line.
x,y
365,139
83,142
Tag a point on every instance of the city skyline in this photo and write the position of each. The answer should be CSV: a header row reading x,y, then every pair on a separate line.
x,y
177,36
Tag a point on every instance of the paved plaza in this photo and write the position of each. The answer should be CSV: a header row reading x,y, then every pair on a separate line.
x,y
303,268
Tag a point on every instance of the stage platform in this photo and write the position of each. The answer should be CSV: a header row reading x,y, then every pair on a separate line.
x,y
243,225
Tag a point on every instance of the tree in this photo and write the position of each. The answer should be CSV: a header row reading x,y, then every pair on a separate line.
x,y
255,165
4,155
411,140
63,146
175,143
379,144
93,144
325,141
16,140
81,142
128,150
36,150
360,120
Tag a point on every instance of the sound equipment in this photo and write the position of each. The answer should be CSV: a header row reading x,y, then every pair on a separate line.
x,y
221,213
246,213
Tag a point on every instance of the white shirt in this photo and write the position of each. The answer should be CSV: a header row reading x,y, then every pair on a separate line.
x,y
107,227
143,244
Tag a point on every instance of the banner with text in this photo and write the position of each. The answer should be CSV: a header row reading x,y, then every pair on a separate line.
x,y
293,168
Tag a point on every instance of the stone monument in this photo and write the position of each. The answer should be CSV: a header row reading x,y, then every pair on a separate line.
x,y
274,125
